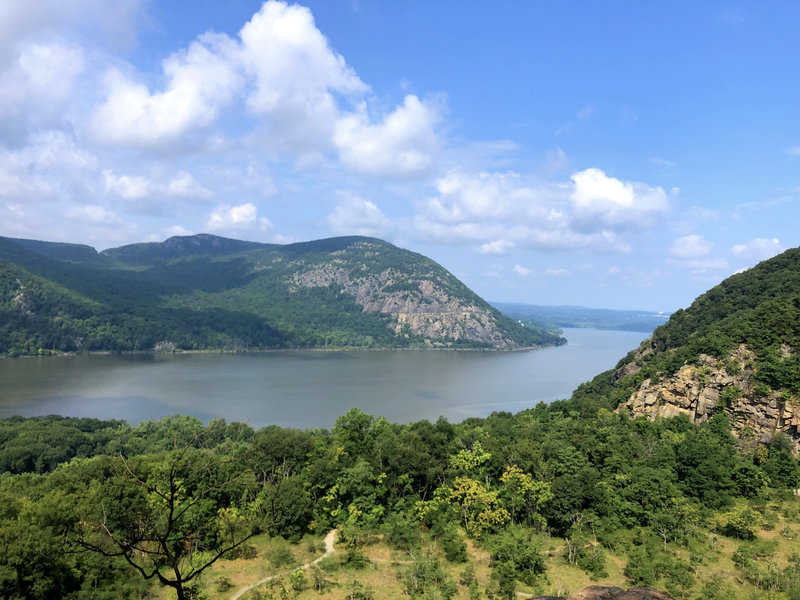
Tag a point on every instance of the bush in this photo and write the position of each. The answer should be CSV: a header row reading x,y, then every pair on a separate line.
x,y
281,556
738,522
298,581
223,584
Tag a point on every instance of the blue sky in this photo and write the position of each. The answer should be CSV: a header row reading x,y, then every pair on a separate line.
x,y
611,154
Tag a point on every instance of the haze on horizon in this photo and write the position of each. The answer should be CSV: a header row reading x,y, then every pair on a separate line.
x,y
619,155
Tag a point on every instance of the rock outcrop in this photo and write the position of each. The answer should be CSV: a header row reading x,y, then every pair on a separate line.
x,y
419,306
698,391
601,592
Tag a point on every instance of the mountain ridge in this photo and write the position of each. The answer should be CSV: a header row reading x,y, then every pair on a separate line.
x,y
211,292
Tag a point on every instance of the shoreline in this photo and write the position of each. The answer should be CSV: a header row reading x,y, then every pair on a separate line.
x,y
271,350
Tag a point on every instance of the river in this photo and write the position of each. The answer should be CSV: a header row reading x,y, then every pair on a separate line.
x,y
307,389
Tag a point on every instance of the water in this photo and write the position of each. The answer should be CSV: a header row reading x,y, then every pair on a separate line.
x,y
307,389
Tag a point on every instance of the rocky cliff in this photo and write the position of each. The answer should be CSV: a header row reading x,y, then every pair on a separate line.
x,y
419,305
735,349
756,413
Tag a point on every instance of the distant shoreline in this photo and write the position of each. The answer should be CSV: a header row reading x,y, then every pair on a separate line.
x,y
271,351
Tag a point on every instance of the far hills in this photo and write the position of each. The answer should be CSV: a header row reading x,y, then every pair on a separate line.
x,y
206,292
735,350
584,316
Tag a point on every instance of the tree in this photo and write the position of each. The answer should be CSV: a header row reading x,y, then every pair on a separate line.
x,y
170,516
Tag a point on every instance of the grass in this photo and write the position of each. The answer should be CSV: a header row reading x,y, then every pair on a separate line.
x,y
384,574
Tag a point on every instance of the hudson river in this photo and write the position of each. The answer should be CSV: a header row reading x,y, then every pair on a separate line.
x,y
307,389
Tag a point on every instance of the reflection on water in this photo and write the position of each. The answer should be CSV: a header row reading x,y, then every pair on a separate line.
x,y
307,389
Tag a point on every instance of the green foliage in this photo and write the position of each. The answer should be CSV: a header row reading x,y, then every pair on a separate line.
x,y
207,292
759,308
517,553
281,556
425,576
739,522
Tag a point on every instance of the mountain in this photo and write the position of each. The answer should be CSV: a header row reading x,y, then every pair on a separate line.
x,y
735,350
210,292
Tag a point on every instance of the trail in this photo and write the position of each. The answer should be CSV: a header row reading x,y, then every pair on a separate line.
x,y
329,549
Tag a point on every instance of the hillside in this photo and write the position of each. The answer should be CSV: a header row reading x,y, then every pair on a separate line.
x,y
735,349
209,292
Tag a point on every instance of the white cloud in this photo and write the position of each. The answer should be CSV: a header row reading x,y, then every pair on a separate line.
x,y
50,167
591,211
37,87
295,75
613,202
758,249
496,247
690,246
126,186
183,185
558,272
356,216
174,230
136,187
793,151
117,21
94,213
236,218
200,81
521,271
585,112
404,144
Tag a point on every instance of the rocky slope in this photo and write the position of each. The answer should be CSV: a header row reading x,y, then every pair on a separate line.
x,y
698,391
735,349
208,292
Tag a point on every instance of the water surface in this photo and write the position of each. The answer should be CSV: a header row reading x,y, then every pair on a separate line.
x,y
307,389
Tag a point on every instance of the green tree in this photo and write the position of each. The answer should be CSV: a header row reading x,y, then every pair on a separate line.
x,y
170,517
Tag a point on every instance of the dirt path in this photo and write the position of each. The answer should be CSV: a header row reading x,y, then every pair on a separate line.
x,y
329,549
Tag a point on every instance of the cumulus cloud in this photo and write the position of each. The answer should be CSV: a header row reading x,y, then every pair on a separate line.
x,y
305,100
200,81
403,144
37,87
136,187
494,210
294,75
758,249
614,202
237,218
356,216
691,246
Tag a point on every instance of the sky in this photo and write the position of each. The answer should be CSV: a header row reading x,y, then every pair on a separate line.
x,y
606,154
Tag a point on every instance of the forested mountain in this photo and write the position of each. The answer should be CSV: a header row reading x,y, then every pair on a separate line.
x,y
734,350
209,292
546,501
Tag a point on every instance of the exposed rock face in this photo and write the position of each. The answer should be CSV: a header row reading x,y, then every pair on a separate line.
x,y
698,391
419,306
601,592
